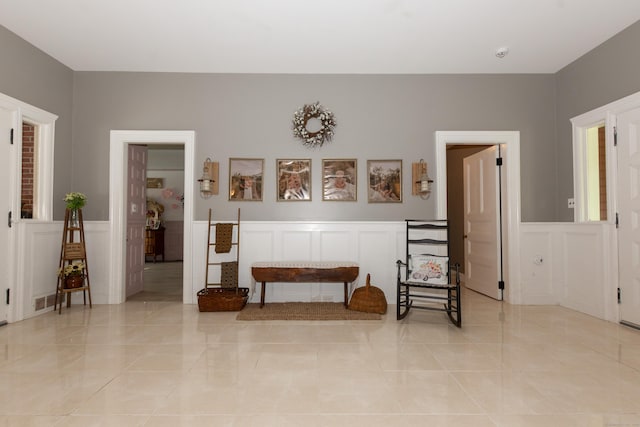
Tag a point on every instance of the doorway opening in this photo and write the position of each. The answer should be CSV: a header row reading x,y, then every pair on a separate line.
x,y
474,211
120,141
14,290
509,141
162,282
164,224
455,199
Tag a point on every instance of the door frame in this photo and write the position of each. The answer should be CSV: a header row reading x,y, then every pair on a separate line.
x,y
606,114
23,112
119,141
510,141
9,251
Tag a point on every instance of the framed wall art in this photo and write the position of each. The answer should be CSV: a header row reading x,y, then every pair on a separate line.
x,y
385,181
155,182
339,179
293,179
245,179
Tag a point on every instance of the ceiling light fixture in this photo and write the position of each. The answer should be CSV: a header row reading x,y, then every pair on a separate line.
x,y
502,52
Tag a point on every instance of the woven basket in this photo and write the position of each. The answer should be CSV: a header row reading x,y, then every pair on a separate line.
x,y
222,299
73,281
368,299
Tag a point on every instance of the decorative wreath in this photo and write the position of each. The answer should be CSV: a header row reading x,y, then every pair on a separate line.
x,y
313,111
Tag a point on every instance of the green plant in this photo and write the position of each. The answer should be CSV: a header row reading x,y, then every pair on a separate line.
x,y
73,269
75,200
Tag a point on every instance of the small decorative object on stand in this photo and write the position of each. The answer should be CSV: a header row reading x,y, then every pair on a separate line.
x,y
73,275
73,282
313,134
155,210
74,202
74,221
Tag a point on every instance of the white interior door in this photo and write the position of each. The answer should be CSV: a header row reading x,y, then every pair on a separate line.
x,y
136,217
628,125
481,223
5,196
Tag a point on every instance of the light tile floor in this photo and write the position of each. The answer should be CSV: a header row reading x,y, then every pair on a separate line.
x,y
161,363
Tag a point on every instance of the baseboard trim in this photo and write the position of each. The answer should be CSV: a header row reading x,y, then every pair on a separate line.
x,y
630,324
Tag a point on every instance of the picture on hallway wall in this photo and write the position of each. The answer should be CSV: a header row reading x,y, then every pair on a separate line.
x,y
293,179
385,181
155,182
245,179
339,179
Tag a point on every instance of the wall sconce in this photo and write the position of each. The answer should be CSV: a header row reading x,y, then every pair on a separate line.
x,y
209,180
421,181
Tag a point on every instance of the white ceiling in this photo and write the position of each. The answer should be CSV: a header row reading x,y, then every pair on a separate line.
x,y
324,36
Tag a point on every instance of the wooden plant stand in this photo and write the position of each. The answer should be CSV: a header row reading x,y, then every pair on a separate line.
x,y
70,251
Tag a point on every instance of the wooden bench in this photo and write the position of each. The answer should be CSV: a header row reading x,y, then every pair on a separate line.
x,y
309,272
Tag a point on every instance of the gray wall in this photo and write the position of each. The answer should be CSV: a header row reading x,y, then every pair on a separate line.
x,y
607,73
31,76
379,117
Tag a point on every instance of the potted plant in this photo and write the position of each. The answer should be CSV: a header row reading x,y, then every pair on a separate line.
x,y
75,201
73,274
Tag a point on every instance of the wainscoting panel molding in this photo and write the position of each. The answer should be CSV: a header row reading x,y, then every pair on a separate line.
x,y
373,245
39,249
572,265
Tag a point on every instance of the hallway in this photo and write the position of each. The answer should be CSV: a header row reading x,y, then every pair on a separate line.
x,y
162,282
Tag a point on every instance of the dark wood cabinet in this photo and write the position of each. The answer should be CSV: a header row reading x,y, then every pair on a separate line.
x,y
154,243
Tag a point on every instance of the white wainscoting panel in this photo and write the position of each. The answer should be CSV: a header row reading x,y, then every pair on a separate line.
x,y
39,255
39,248
373,245
537,277
577,269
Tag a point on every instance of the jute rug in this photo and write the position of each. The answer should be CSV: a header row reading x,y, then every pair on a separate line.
x,y
303,311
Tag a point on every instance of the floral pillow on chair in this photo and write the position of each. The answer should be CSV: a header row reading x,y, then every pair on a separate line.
x,y
428,269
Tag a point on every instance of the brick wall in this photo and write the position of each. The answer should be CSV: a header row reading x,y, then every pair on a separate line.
x,y
602,163
28,168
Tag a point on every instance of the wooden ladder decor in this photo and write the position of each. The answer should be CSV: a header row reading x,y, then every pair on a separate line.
x,y
72,251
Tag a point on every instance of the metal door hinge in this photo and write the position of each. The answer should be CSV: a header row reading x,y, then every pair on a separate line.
x,y
8,296
498,161
501,284
617,221
615,136
11,137
9,219
619,296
